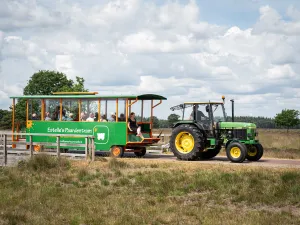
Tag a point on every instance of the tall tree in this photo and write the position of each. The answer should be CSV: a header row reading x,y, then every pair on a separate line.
x,y
155,121
5,119
45,82
287,118
173,118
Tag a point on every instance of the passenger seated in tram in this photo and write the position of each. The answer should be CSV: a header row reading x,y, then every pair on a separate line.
x,y
112,117
103,118
64,118
54,116
34,117
83,116
133,126
91,118
70,118
47,118
96,116
122,117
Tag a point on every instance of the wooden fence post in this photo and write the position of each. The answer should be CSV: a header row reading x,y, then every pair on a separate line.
x,y
90,148
86,149
31,146
93,148
5,149
58,146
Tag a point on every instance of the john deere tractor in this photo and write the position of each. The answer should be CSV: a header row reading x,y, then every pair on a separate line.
x,y
204,130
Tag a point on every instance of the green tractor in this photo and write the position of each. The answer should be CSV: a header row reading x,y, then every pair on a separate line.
x,y
205,130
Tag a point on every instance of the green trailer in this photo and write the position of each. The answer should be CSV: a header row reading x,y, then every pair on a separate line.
x,y
86,113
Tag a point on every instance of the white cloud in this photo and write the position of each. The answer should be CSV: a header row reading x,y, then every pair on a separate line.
x,y
271,21
293,13
19,14
135,46
1,46
64,64
280,72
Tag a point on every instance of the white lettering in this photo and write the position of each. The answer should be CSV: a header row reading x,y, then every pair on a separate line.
x,y
69,130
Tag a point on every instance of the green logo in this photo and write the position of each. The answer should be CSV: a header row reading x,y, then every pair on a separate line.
x,y
101,134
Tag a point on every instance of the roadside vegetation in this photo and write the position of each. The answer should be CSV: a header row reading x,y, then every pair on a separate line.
x,y
45,190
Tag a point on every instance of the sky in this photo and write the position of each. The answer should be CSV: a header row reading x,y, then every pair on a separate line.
x,y
185,50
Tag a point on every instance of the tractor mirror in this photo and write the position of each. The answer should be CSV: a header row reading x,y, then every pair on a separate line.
x,y
207,108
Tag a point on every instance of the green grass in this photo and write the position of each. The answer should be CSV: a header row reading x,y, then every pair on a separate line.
x,y
133,191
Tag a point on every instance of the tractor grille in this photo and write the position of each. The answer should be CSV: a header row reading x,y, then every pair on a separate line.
x,y
240,134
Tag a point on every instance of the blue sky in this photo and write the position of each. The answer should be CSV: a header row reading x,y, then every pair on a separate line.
x,y
186,50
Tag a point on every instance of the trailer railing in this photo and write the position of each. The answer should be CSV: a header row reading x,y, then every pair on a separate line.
x,y
89,145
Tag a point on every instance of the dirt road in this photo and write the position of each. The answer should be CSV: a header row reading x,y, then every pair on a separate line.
x,y
152,155
266,162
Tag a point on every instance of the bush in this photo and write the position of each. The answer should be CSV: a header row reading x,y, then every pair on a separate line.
x,y
43,162
115,164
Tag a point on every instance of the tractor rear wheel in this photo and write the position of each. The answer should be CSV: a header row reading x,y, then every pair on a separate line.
x,y
254,152
236,152
187,142
211,153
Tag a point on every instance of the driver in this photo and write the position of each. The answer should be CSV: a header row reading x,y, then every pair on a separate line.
x,y
200,114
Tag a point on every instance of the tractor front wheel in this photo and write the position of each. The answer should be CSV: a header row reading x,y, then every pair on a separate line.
x,y
254,152
187,142
236,152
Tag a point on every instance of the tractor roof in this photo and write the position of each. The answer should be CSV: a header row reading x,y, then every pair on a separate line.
x,y
203,103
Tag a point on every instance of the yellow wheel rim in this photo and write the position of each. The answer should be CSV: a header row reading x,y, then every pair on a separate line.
x,y
184,142
235,152
116,151
37,148
252,150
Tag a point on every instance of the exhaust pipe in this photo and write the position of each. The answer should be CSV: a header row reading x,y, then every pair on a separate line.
x,y
232,110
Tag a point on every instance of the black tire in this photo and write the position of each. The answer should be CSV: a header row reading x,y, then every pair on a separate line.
x,y
141,153
236,152
211,153
254,152
65,150
117,151
194,142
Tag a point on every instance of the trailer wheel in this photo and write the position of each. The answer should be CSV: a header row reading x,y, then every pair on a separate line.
x,y
141,153
254,152
37,148
117,151
236,152
187,142
211,153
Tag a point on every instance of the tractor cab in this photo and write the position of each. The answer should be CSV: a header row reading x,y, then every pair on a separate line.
x,y
207,115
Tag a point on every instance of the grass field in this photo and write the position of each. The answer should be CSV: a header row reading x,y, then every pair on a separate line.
x,y
277,142
135,191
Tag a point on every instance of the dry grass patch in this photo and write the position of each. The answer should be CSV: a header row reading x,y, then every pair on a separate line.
x,y
135,191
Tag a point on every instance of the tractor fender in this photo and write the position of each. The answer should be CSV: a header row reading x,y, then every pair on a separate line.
x,y
198,125
230,141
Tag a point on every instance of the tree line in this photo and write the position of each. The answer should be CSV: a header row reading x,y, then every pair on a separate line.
x,y
261,122
45,82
